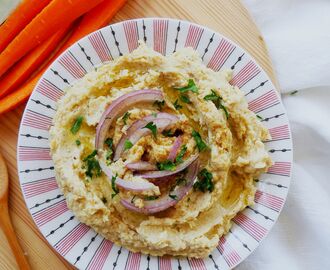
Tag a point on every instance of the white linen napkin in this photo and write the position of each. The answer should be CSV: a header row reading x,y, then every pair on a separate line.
x,y
6,6
298,38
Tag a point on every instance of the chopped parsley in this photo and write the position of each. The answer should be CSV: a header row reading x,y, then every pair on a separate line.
x,y
177,106
213,96
225,110
204,182
173,197
179,181
294,92
125,117
185,98
159,104
168,133
113,185
201,145
151,198
217,100
154,114
92,165
258,116
76,125
166,165
190,87
78,142
109,143
152,127
179,157
104,200
127,145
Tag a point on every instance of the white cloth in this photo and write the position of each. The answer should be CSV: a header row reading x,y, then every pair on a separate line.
x,y
298,39
6,6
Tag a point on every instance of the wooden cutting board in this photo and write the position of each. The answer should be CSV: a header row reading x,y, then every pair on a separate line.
x,y
228,17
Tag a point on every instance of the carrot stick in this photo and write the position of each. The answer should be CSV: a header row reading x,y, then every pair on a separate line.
x,y
30,63
48,21
93,20
18,19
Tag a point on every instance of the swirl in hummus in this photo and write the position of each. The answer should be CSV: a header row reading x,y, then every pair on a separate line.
x,y
158,153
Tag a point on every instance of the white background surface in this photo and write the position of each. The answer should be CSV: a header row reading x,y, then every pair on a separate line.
x,y
297,33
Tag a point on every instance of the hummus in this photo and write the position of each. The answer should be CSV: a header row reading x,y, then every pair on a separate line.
x,y
216,111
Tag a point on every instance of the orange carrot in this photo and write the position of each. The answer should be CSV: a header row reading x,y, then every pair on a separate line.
x,y
93,20
30,63
47,22
18,19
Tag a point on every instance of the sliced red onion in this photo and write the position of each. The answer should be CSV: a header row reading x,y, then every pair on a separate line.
x,y
165,202
141,166
162,180
119,106
136,186
136,130
158,174
175,148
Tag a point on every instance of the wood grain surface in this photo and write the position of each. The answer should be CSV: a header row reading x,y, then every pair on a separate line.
x,y
228,17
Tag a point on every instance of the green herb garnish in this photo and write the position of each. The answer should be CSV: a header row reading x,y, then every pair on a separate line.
x,y
258,116
127,145
108,156
213,96
173,197
201,145
225,110
92,165
179,181
204,182
109,142
168,133
177,106
91,155
125,117
294,92
154,114
159,104
78,142
151,198
217,100
113,185
190,87
185,98
179,157
76,125
152,127
166,165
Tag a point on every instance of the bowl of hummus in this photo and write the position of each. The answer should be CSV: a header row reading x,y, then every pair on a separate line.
x,y
157,151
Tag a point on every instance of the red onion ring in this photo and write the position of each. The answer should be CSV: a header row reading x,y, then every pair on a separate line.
x,y
128,185
162,180
136,130
175,148
119,106
165,202
179,168
141,166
